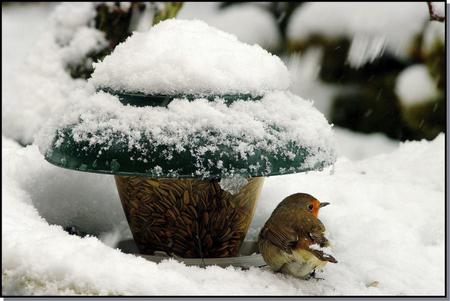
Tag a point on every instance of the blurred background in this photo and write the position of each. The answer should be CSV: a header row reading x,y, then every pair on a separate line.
x,y
370,68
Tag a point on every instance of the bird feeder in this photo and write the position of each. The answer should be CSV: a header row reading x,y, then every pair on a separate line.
x,y
189,121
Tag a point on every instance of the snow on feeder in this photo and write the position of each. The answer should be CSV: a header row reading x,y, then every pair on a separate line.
x,y
190,121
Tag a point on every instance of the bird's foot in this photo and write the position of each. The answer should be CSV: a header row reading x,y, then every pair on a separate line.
x,y
313,276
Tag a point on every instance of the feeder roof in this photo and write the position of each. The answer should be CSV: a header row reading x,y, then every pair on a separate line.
x,y
189,57
278,134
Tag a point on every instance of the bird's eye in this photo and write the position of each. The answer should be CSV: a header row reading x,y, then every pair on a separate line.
x,y
310,207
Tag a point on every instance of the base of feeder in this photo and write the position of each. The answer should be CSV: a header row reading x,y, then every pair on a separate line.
x,y
246,258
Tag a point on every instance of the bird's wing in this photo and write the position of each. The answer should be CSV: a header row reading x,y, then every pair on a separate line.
x,y
318,238
288,234
311,227
314,238
283,237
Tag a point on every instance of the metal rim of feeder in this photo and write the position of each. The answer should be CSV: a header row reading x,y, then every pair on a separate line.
x,y
248,256
118,160
139,99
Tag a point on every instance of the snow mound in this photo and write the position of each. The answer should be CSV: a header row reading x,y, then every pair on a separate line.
x,y
189,57
249,135
394,200
415,85
371,26
67,205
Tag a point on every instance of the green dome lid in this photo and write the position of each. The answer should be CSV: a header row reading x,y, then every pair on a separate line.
x,y
187,100
139,99
186,136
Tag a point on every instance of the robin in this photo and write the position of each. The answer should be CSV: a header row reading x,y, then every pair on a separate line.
x,y
292,240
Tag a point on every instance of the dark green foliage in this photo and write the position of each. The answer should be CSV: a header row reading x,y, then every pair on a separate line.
x,y
335,67
427,119
369,103
369,109
435,61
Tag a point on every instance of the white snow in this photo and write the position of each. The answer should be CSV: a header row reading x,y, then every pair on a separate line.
x,y
357,146
78,206
385,224
189,57
68,18
270,124
439,8
37,87
251,23
233,184
364,49
304,70
326,250
394,24
415,85
19,40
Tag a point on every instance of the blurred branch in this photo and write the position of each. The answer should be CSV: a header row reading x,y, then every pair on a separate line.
x,y
117,21
433,15
170,11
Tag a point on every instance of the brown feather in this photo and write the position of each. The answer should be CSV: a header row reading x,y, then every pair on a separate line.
x,y
282,237
285,240
322,255
291,226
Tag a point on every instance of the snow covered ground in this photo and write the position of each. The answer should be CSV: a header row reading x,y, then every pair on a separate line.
x,y
386,224
385,221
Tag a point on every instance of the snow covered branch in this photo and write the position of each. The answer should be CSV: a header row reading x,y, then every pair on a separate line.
x,y
434,14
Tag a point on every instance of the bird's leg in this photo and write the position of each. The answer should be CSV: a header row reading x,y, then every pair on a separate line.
x,y
313,276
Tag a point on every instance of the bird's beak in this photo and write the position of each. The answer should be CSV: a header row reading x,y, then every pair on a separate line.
x,y
324,204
